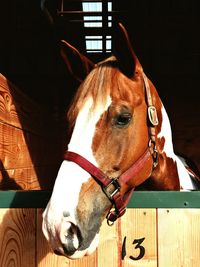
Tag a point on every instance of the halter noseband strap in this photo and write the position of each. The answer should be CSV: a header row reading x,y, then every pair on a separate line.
x,y
111,186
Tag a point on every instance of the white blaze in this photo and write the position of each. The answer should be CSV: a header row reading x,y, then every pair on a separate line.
x,y
70,176
81,140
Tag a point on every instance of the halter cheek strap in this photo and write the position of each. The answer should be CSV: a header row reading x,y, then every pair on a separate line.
x,y
111,186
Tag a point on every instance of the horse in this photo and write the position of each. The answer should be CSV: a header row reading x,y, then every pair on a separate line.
x,y
120,140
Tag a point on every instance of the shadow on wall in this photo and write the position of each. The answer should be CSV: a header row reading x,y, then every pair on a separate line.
x,y
6,181
30,59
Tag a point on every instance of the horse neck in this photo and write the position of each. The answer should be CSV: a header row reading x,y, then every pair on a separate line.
x,y
170,173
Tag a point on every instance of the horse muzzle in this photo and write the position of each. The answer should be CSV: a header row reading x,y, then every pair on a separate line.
x,y
65,239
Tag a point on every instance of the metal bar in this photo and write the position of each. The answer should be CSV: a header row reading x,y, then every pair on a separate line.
x,y
85,20
140,199
86,13
24,199
104,22
82,1
62,6
96,31
165,199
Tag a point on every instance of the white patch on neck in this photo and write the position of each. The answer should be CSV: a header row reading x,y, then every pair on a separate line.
x,y
167,134
184,177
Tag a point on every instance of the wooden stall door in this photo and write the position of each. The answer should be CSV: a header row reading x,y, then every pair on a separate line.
x,y
30,141
142,238
116,248
178,237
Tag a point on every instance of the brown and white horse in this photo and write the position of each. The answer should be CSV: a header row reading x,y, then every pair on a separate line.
x,y
120,139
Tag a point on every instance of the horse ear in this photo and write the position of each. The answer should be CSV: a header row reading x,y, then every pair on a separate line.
x,y
123,51
77,64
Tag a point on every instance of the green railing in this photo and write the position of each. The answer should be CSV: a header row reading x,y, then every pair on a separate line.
x,y
140,199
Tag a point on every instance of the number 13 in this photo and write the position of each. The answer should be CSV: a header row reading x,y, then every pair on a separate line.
x,y
137,243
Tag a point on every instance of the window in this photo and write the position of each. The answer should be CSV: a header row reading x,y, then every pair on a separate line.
x,y
94,20
96,15
94,44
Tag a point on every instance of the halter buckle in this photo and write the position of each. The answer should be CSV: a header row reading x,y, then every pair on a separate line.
x,y
106,189
153,117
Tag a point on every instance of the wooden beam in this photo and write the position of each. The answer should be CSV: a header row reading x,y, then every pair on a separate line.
x,y
144,199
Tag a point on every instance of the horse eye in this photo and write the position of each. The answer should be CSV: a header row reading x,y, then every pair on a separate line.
x,y
123,119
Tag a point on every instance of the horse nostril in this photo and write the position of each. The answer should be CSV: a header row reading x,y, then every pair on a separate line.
x,y
66,213
70,238
69,248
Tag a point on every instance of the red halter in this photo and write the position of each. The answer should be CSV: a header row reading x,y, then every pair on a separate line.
x,y
111,186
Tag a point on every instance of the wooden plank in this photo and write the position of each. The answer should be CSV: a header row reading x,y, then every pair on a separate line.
x,y
30,178
22,149
27,160
17,237
30,141
139,238
178,237
109,245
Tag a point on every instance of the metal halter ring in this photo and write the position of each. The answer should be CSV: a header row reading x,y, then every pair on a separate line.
x,y
154,153
114,182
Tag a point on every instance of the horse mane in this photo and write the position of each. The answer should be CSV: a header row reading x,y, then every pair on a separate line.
x,y
98,85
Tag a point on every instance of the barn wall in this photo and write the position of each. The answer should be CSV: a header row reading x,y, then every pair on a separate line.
x,y
143,237
30,141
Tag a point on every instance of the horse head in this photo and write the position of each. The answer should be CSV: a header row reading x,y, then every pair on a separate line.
x,y
120,137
